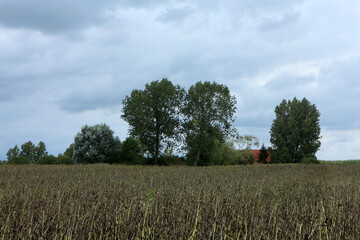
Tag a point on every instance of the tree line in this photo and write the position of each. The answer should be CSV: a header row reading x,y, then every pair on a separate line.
x,y
165,120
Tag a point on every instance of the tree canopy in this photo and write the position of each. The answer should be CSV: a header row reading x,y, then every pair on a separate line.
x,y
153,115
208,114
96,144
295,132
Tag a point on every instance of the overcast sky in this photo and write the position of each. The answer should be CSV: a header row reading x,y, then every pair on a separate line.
x,y
64,64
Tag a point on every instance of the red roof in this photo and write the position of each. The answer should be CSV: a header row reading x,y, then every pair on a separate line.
x,y
256,156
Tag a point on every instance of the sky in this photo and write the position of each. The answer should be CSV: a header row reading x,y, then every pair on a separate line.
x,y
64,64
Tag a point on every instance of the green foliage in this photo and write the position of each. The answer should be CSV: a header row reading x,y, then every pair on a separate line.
x,y
28,151
40,151
309,160
246,141
96,144
246,157
70,151
170,160
208,114
18,160
295,131
153,115
64,160
50,159
263,155
340,162
131,152
13,152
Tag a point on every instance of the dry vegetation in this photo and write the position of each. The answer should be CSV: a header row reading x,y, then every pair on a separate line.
x,y
127,202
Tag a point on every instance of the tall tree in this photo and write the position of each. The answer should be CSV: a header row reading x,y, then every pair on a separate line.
x,y
295,132
28,151
13,153
208,115
95,144
153,115
40,151
70,151
263,155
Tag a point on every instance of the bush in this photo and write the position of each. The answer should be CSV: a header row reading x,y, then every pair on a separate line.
x,y
47,160
19,160
64,160
246,157
171,160
130,151
310,160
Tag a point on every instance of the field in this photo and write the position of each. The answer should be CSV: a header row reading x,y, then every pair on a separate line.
x,y
132,202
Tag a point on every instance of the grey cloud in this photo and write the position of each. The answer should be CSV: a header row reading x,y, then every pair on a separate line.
x,y
98,96
339,100
51,16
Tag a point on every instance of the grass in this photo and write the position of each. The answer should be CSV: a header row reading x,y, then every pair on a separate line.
x,y
340,162
137,202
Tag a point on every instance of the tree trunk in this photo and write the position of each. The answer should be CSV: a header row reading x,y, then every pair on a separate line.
x,y
157,145
197,156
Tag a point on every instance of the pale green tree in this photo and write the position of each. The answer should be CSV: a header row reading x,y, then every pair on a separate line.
x,y
96,144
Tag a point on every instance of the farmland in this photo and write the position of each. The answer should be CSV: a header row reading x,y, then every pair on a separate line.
x,y
146,202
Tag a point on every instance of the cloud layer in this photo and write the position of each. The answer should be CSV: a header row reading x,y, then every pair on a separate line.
x,y
66,64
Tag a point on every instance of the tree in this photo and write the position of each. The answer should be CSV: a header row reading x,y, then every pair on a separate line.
x,y
263,155
95,144
13,153
208,114
130,151
246,141
70,151
28,151
18,160
153,115
295,132
40,151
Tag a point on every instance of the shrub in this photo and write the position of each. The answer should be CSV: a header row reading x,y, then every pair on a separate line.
x,y
171,160
64,159
246,157
47,160
130,151
19,160
310,160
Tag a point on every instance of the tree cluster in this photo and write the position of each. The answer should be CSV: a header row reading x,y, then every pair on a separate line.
x,y
29,153
164,118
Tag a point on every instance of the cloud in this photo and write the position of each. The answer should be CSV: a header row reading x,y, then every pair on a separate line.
x,y
74,62
339,144
176,14
51,17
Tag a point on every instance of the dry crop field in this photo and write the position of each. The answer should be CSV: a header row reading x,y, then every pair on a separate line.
x,y
134,202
